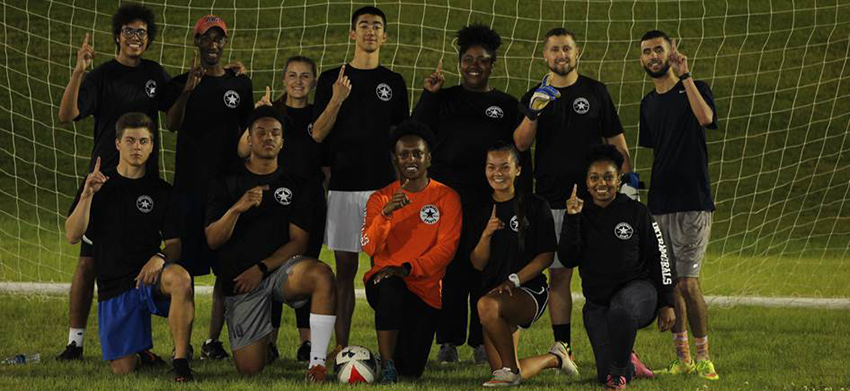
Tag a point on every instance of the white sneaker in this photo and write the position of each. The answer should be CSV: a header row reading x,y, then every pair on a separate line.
x,y
503,378
560,350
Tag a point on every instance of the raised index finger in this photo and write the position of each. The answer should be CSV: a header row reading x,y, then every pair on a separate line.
x,y
97,165
673,44
268,95
86,39
341,72
440,66
493,214
575,189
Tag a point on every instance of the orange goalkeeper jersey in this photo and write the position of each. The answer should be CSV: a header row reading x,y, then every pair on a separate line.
x,y
424,233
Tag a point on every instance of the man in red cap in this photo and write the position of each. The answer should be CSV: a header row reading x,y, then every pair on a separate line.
x,y
209,109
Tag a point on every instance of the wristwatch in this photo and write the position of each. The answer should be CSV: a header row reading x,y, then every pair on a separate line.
x,y
513,278
263,268
685,76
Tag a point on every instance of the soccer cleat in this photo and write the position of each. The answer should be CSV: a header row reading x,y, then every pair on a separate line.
x,y
213,350
316,374
503,378
147,359
705,370
182,372
615,382
303,352
447,354
273,353
389,375
479,355
677,367
641,370
561,351
190,354
71,352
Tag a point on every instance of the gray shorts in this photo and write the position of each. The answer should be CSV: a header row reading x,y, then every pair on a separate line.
x,y
249,316
686,235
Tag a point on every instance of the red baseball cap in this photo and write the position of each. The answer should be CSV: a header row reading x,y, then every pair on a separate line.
x,y
209,21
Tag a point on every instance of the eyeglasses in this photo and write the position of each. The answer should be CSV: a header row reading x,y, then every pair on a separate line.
x,y
129,32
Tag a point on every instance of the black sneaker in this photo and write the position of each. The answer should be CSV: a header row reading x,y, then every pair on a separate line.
x,y
190,355
182,372
71,352
303,352
273,353
213,350
147,358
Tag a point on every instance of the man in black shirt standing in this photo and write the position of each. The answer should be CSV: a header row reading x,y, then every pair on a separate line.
x,y
257,222
355,107
124,84
209,108
126,215
673,118
578,115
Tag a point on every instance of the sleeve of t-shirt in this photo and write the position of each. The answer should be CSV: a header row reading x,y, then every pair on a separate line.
x,y
609,120
570,245
376,227
644,131
302,207
706,93
324,93
654,256
88,99
218,201
427,110
438,257
171,221
162,104
546,240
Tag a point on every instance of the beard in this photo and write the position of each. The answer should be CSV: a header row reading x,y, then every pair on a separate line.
x,y
661,73
567,69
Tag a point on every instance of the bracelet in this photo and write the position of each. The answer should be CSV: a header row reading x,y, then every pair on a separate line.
x,y
685,76
263,268
161,255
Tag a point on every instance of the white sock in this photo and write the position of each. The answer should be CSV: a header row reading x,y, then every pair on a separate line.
x,y
76,335
321,328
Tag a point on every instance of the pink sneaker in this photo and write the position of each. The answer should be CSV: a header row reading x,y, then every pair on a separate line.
x,y
641,370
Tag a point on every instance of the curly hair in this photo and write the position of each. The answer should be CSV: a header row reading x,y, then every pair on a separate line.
x,y
130,12
604,153
478,34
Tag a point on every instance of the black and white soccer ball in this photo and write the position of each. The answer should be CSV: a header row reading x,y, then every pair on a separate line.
x,y
356,364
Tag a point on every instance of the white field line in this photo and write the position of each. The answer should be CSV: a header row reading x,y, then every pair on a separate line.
x,y
785,302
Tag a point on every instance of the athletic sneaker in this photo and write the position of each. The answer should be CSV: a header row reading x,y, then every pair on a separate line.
x,y
147,358
273,353
71,352
615,382
316,374
677,367
213,350
503,378
182,372
479,355
303,352
389,375
447,354
641,370
190,355
560,350
705,370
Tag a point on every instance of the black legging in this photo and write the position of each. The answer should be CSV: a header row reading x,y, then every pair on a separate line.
x,y
612,329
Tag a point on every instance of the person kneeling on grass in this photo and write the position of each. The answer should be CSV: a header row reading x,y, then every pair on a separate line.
x,y
412,230
626,276
126,215
256,223
512,258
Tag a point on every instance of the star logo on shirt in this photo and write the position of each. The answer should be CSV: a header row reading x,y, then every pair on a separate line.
x,y
623,231
385,93
150,88
231,99
581,105
144,204
310,130
494,112
429,214
283,196
515,224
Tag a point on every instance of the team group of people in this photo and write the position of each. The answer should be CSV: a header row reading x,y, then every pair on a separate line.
x,y
458,222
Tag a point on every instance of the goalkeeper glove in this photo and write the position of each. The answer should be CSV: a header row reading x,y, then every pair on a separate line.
x,y
630,186
541,97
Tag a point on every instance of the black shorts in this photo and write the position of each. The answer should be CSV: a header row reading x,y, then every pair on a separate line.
x,y
540,295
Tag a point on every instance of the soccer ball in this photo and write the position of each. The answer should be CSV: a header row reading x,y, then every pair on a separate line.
x,y
356,364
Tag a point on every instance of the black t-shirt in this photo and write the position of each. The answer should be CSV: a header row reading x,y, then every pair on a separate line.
x,y
505,254
615,245
301,155
358,144
216,116
566,129
128,221
261,230
680,180
466,124
112,90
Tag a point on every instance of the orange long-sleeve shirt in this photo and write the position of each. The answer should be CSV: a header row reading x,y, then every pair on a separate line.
x,y
424,233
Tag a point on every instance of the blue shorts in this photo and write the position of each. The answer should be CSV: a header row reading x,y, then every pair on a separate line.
x,y
125,321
